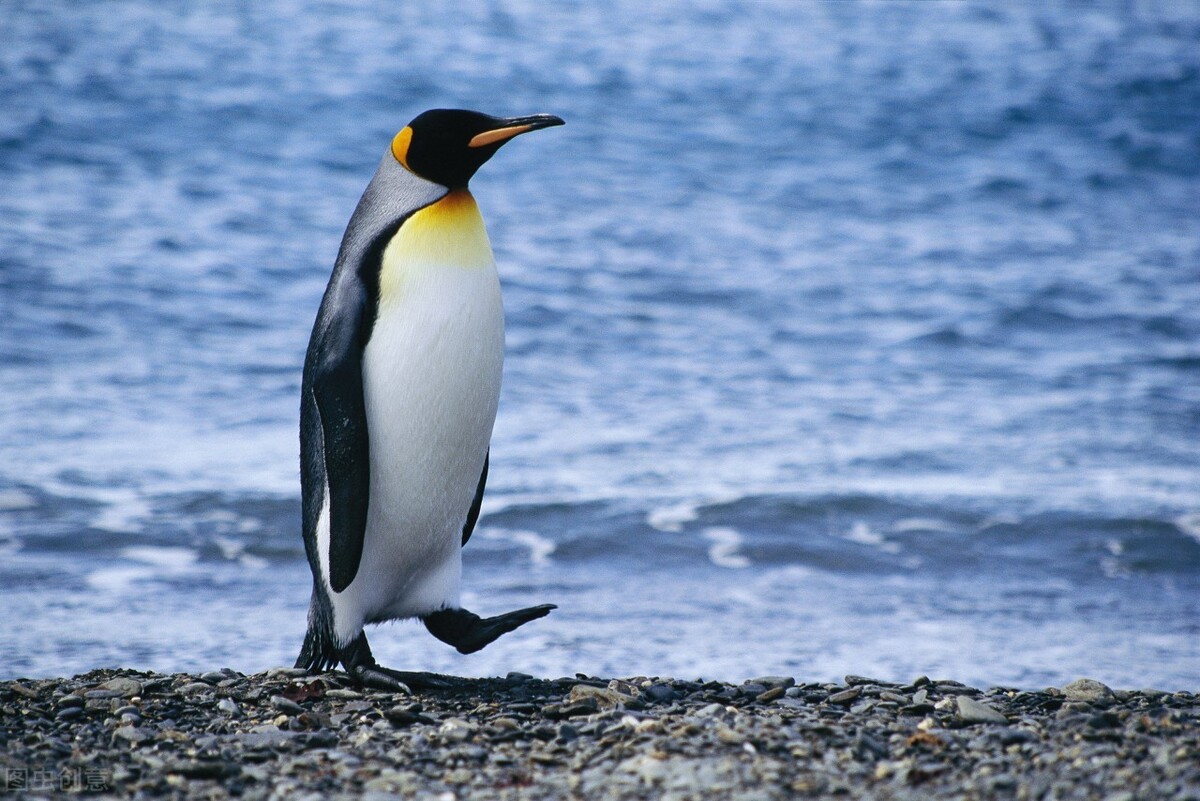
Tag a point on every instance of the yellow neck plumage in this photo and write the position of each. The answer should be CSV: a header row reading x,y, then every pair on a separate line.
x,y
446,234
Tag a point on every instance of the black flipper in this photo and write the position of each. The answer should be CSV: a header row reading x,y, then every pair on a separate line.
x,y
468,632
473,514
337,388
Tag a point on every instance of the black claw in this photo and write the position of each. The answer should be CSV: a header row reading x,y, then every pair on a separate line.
x,y
468,632
364,670
379,679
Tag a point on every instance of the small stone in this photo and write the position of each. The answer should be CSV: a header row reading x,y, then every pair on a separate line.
x,y
213,676
659,693
205,769
752,690
102,695
194,687
126,688
1104,720
402,716
228,706
895,698
264,737
854,681
794,692
286,706
286,672
1087,690
587,706
567,733
727,735
70,701
920,697
972,711
22,690
322,739
133,734
343,694
844,697
767,696
775,681
604,698
69,712
457,730
518,678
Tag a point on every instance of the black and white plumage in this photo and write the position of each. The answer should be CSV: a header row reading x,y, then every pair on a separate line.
x,y
400,389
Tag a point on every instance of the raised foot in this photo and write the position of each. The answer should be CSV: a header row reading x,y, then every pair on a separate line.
x,y
468,632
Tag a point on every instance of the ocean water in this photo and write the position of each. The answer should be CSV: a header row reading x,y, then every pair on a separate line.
x,y
842,337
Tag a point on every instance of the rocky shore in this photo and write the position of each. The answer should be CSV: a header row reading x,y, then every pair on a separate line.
x,y
289,735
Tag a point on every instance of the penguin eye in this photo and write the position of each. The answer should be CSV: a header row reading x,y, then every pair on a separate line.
x,y
400,146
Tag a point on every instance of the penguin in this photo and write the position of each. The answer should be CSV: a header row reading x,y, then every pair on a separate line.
x,y
399,394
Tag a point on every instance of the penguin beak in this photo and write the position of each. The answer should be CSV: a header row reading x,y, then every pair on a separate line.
x,y
514,126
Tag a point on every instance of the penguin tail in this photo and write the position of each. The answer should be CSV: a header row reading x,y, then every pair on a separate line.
x,y
319,653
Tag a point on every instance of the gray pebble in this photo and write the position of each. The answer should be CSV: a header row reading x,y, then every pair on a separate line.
x,y
775,681
972,711
124,687
844,697
69,713
485,734
767,696
286,706
133,734
194,687
659,693
1087,690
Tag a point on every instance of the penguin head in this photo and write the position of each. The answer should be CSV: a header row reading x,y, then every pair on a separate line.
x,y
447,146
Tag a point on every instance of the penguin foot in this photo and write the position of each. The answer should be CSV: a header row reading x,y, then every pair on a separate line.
x,y
468,632
398,681
365,671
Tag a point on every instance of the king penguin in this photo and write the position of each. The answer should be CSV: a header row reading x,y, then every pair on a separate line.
x,y
399,395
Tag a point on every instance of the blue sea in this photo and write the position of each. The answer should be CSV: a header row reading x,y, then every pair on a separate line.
x,y
843,337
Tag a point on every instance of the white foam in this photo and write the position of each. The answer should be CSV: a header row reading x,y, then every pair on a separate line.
x,y
149,562
672,518
724,549
540,548
1189,524
913,524
861,533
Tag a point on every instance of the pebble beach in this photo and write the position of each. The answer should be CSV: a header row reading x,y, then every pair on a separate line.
x,y
287,734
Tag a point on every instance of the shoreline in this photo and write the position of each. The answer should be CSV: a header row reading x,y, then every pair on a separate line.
x,y
285,733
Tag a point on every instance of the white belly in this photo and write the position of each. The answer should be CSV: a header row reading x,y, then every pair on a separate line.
x,y
431,383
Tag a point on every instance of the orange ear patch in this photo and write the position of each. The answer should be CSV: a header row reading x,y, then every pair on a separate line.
x,y
400,146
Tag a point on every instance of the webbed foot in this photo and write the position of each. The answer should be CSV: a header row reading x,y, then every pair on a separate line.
x,y
468,632
364,670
